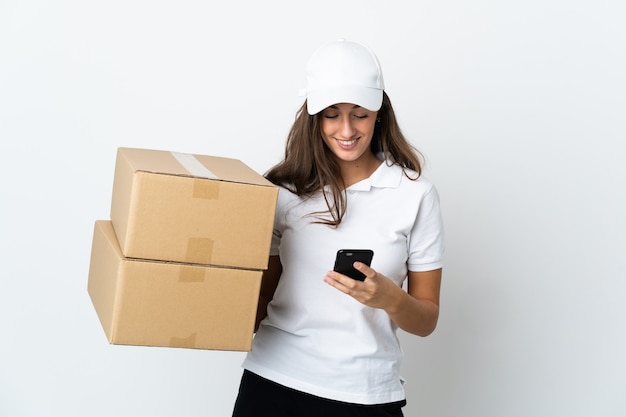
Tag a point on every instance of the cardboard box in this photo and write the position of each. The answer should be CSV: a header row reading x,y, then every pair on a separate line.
x,y
192,208
152,303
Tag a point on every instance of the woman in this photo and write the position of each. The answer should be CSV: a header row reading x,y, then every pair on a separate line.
x,y
326,343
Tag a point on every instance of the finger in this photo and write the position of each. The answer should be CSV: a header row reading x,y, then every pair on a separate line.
x,y
363,268
339,281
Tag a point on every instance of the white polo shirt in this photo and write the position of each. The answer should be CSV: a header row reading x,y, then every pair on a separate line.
x,y
319,340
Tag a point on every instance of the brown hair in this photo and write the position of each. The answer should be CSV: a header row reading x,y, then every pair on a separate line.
x,y
309,166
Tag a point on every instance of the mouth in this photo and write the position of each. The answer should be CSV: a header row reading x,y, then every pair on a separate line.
x,y
347,144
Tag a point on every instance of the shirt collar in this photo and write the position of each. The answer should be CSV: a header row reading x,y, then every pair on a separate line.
x,y
387,175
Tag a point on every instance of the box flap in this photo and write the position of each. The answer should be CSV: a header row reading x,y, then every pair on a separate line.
x,y
191,165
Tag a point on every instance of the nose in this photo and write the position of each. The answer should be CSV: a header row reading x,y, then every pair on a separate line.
x,y
347,129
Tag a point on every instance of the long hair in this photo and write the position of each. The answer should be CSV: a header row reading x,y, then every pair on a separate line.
x,y
309,166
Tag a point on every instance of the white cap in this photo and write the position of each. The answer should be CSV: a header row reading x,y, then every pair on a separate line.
x,y
344,71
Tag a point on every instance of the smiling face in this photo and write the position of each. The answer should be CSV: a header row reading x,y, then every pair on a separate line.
x,y
347,129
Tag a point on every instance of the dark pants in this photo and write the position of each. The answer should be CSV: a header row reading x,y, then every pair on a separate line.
x,y
259,397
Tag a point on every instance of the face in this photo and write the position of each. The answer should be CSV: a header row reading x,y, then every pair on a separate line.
x,y
347,130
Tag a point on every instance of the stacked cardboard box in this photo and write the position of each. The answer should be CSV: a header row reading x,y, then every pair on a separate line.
x,y
179,263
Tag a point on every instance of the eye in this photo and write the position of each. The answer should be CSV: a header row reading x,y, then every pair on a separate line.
x,y
330,116
361,116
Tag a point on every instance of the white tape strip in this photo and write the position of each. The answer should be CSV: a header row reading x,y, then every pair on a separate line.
x,y
191,164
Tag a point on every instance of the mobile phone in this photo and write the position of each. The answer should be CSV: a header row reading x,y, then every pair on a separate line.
x,y
347,257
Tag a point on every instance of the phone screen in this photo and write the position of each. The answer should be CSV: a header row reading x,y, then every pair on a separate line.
x,y
347,257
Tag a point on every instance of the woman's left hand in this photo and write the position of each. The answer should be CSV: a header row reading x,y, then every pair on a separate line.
x,y
375,291
415,311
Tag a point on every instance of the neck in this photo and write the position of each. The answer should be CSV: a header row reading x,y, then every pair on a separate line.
x,y
355,171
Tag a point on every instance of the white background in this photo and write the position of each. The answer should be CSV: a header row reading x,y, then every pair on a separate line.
x,y
519,107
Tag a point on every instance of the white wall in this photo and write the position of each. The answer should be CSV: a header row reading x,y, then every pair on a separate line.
x,y
519,107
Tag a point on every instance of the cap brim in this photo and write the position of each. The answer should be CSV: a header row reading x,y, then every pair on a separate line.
x,y
369,98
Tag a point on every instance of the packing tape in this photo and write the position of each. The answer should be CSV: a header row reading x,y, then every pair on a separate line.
x,y
191,274
199,249
208,190
183,342
193,166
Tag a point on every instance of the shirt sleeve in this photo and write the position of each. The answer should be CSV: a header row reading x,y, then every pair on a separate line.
x,y
278,223
275,243
426,241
